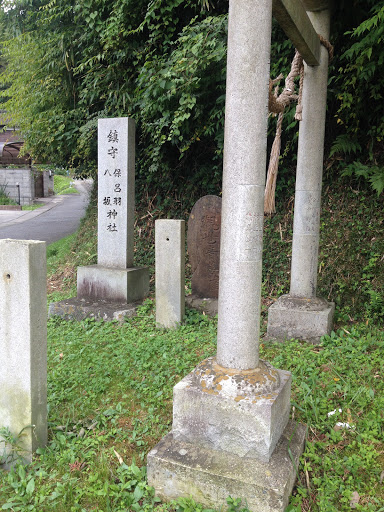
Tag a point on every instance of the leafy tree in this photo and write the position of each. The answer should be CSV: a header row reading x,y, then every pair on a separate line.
x,y
163,62
360,97
179,103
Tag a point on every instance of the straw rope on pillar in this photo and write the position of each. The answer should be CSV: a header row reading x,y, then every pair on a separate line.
x,y
276,105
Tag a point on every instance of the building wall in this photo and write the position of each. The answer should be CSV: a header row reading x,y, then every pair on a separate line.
x,y
9,178
11,155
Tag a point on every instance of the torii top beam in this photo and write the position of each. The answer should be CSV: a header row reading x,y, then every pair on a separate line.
x,y
293,19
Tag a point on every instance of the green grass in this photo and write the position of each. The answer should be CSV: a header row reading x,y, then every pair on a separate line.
x,y
110,385
64,256
110,390
57,253
32,207
351,267
4,199
342,373
62,185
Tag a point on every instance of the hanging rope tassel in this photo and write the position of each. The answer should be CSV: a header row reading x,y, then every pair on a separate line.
x,y
270,186
276,105
299,107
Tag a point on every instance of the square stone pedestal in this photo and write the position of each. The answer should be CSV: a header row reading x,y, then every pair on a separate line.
x,y
181,469
229,438
300,318
238,411
96,282
79,309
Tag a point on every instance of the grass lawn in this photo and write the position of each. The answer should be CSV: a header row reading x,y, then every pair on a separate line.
x,y
32,207
63,185
110,392
110,401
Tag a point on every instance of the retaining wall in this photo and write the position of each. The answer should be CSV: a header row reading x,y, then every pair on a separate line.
x,y
10,178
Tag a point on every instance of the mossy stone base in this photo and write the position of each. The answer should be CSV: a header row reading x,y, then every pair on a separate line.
x,y
239,411
79,309
300,318
181,469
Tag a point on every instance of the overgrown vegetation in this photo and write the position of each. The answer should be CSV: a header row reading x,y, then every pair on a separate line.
x,y
31,207
351,263
359,142
110,385
63,185
164,64
110,401
4,196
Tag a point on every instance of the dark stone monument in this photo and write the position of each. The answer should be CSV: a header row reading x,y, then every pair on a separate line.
x,y
203,240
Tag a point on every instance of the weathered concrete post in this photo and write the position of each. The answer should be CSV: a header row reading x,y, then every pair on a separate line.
x,y
170,272
301,314
305,244
23,347
230,414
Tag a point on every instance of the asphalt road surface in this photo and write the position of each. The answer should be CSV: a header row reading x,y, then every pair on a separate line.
x,y
59,217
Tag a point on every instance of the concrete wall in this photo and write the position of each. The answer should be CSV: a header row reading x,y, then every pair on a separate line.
x,y
9,179
48,183
26,179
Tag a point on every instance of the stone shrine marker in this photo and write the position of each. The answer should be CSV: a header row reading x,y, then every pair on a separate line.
x,y
23,346
116,197
114,278
204,226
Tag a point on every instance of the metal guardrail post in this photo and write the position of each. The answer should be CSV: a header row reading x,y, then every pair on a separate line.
x,y
18,192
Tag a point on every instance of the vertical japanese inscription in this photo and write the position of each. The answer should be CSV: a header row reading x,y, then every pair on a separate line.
x,y
204,227
116,182
113,202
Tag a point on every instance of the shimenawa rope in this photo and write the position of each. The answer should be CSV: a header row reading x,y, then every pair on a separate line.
x,y
277,104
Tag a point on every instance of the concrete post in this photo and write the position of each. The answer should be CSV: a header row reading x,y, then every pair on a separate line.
x,y
305,244
170,272
23,346
301,314
246,115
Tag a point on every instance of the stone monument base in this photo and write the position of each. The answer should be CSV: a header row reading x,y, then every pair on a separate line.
x,y
79,309
230,438
208,306
181,469
96,282
300,318
238,411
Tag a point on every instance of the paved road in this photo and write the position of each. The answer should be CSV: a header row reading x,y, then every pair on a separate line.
x,y
58,218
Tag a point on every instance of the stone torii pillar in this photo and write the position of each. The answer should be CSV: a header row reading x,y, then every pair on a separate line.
x,y
230,429
301,314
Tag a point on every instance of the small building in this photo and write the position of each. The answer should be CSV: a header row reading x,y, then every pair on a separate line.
x,y
18,179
